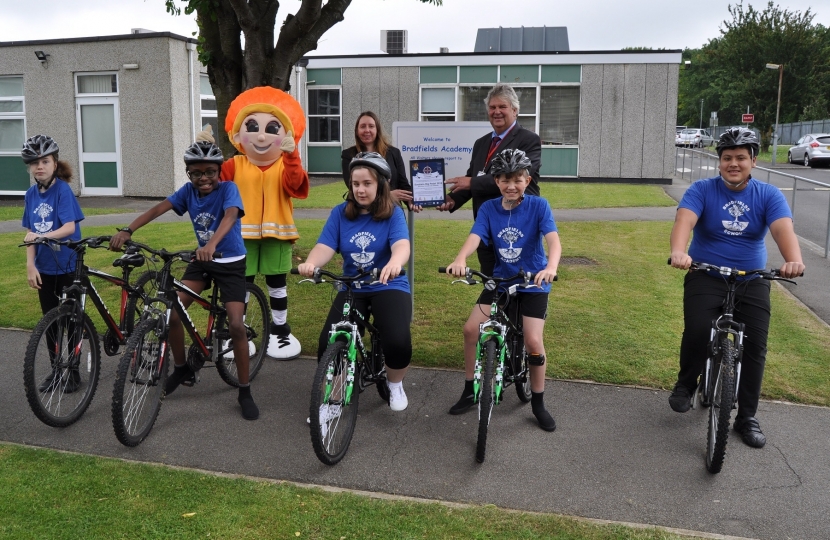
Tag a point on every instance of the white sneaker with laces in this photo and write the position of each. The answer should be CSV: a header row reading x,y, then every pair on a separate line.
x,y
229,354
283,347
397,397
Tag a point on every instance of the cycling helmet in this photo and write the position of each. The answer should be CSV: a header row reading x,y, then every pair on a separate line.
x,y
373,160
509,161
37,147
203,152
737,137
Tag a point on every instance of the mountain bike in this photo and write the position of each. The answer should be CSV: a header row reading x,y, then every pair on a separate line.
x,y
142,370
346,361
718,385
63,357
501,358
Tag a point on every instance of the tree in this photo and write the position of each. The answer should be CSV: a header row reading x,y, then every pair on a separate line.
x,y
263,61
729,72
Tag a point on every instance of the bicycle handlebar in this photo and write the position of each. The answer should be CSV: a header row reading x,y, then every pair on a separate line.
x,y
90,241
187,255
527,276
319,274
771,274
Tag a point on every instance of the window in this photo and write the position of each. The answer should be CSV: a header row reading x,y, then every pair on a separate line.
x,y
323,115
207,109
104,83
471,107
527,106
12,117
438,104
559,115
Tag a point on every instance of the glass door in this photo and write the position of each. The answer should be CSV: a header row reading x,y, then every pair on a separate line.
x,y
99,131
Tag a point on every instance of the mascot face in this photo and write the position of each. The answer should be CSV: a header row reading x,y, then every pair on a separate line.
x,y
260,137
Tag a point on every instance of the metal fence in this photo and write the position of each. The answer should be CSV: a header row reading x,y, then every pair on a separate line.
x,y
685,159
790,133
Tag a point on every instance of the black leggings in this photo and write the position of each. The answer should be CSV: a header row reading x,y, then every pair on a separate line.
x,y
703,298
391,315
51,288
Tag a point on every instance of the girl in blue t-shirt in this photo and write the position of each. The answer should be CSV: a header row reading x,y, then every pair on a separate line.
x,y
370,231
51,211
517,227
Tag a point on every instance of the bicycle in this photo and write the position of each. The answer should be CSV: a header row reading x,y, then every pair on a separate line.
x,y
501,358
59,387
142,371
333,408
719,381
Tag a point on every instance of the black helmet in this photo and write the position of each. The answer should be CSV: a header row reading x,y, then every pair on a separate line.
x,y
373,160
203,152
737,137
509,161
37,147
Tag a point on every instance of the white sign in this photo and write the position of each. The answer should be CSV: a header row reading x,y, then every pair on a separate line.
x,y
452,141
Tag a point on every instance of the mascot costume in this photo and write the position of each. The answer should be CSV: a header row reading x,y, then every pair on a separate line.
x,y
265,125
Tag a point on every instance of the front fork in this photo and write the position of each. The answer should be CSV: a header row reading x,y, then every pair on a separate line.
x,y
351,355
499,367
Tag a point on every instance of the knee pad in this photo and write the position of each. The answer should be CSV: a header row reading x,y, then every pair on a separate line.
x,y
536,359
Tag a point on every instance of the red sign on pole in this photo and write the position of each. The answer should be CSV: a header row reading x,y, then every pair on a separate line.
x,y
747,118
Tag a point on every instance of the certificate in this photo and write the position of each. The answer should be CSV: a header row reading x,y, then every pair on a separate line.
x,y
427,177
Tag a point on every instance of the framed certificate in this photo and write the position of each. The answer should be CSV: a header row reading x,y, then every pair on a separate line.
x,y
427,177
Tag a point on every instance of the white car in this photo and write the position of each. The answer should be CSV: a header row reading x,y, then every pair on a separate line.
x,y
811,150
697,138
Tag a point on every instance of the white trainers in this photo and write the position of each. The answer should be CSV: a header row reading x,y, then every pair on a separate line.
x,y
229,355
283,347
397,397
328,412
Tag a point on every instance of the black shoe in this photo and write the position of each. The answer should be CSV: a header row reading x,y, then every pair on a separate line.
x,y
680,399
466,401
180,374
54,381
544,418
249,409
750,431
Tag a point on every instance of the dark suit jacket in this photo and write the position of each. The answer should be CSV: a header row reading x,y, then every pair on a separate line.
x,y
483,188
393,158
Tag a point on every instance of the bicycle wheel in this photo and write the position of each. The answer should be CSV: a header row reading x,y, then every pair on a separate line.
x,y
485,401
521,373
139,384
723,396
332,419
258,328
146,282
62,366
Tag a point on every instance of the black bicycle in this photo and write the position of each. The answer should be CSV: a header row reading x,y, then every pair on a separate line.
x,y
718,385
501,358
142,370
346,361
63,358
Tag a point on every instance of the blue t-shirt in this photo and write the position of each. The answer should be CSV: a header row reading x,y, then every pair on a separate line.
x,y
517,235
207,213
50,211
731,225
365,243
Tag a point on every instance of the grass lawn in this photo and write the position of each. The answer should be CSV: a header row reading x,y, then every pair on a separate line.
x,y
47,494
780,155
16,212
616,321
558,194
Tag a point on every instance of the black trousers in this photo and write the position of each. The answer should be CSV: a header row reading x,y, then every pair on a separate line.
x,y
703,298
51,288
391,314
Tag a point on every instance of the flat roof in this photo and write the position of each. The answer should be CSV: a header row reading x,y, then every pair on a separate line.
x,y
92,39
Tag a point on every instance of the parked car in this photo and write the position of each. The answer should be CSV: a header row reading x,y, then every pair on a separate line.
x,y
694,137
811,150
678,129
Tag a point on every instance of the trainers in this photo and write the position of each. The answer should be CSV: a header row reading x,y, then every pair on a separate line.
x,y
544,418
750,431
397,397
328,412
680,399
229,355
283,345
463,404
55,380
249,409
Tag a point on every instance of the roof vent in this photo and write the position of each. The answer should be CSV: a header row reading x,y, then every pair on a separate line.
x,y
141,31
444,50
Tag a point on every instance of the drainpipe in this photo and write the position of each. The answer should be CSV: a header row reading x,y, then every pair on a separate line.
x,y
190,48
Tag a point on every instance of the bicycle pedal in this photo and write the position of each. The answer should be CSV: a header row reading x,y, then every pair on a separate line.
x,y
191,380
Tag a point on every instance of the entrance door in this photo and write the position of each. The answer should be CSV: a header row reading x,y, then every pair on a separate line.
x,y
98,135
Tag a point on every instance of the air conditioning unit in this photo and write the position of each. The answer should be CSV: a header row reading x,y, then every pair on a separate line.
x,y
393,41
141,31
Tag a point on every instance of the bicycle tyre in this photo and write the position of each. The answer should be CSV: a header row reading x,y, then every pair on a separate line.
x,y
139,384
331,432
485,401
522,382
723,396
52,404
134,310
258,328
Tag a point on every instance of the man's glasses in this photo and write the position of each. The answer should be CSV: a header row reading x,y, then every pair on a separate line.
x,y
197,175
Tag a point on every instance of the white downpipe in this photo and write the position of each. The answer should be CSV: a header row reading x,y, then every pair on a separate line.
x,y
190,48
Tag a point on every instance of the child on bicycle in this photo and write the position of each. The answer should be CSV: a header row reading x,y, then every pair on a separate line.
x,y
51,211
519,247
370,231
215,208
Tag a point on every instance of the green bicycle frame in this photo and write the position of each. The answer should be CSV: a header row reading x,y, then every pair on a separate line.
x,y
485,334
352,339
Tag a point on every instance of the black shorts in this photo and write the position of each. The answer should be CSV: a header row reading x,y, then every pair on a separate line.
x,y
534,305
229,277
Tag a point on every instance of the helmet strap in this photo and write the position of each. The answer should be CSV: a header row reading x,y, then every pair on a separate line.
x,y
48,184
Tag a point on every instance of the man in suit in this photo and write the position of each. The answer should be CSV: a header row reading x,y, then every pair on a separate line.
x,y
478,185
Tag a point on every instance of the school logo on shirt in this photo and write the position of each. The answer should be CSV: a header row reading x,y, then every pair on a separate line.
x,y
510,235
204,220
43,210
363,240
736,209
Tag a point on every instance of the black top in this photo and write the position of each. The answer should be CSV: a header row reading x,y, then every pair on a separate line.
x,y
393,157
483,187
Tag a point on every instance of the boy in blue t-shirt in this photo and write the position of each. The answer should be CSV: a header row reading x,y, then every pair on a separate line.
x,y
215,208
516,226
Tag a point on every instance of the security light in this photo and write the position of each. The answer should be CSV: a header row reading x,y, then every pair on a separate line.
x,y
41,56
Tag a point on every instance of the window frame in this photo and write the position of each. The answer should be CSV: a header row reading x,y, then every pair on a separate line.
x,y
339,88
454,114
579,124
15,115
78,93
207,113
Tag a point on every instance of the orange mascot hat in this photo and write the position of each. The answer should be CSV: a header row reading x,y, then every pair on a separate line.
x,y
268,100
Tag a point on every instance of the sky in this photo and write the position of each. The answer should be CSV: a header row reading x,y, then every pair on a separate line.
x,y
592,24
